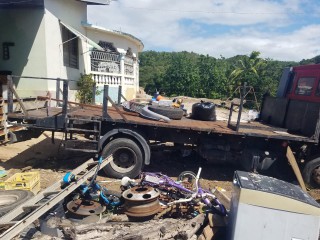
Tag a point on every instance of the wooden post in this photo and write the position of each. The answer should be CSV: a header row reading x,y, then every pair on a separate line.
x,y
119,94
65,97
241,106
94,89
10,94
10,86
105,102
295,167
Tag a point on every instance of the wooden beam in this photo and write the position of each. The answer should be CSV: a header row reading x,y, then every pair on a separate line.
x,y
17,96
295,167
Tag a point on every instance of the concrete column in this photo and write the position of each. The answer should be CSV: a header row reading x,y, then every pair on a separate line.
x,y
122,55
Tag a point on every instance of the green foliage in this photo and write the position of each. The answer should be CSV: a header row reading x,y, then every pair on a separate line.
x,y
195,75
85,88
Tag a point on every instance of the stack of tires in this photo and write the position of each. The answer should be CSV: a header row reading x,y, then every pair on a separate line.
x,y
170,112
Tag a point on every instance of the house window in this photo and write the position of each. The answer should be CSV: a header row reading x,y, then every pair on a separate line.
x,y
305,86
70,49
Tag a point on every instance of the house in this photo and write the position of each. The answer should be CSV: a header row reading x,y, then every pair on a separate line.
x,y
52,39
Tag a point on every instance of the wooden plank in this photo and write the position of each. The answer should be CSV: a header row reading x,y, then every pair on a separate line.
x,y
18,98
295,167
117,109
208,233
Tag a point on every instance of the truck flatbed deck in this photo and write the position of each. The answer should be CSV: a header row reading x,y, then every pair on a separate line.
x,y
255,129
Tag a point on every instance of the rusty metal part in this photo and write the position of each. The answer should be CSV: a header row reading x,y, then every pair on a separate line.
x,y
141,202
316,175
181,210
85,207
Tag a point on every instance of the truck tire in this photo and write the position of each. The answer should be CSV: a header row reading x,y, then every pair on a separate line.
x,y
170,112
10,199
127,158
311,173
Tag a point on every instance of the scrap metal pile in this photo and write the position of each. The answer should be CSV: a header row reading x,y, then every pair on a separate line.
x,y
152,196
83,208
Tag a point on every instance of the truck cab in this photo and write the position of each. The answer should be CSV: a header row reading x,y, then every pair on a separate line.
x,y
301,83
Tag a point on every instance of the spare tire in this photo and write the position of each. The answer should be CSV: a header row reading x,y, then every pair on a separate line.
x,y
170,112
10,199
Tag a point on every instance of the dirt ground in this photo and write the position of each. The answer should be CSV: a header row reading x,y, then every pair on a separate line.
x,y
52,161
40,154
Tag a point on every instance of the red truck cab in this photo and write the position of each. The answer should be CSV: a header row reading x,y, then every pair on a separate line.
x,y
303,83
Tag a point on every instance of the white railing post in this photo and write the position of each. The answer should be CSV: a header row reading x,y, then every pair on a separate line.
x,y
122,57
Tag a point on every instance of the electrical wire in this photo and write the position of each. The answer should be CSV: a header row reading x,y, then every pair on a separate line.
x,y
214,12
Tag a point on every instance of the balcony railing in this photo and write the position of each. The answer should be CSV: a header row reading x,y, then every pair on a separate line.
x,y
106,69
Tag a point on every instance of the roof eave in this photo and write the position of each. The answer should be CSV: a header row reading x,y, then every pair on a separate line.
x,y
127,35
96,2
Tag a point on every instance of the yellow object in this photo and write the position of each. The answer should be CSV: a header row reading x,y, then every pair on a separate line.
x,y
26,181
177,103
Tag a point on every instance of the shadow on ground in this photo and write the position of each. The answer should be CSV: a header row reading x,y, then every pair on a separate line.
x,y
172,164
43,154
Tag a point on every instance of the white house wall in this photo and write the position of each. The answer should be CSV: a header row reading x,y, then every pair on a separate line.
x,y
25,28
71,13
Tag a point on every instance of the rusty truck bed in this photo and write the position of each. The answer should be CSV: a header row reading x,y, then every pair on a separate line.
x,y
254,129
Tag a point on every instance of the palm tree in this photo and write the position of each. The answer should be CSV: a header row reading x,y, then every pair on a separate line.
x,y
246,69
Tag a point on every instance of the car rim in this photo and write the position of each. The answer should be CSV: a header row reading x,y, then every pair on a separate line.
x,y
124,160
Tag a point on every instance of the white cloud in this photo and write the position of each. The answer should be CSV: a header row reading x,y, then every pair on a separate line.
x,y
254,25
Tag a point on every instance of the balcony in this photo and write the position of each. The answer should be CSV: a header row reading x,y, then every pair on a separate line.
x,y
115,69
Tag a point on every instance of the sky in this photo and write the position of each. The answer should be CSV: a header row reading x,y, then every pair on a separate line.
x,y
287,30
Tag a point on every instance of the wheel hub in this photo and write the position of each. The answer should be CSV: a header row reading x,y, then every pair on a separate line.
x,y
141,202
85,207
124,160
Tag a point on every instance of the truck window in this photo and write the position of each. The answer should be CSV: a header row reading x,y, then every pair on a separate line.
x,y
305,86
318,89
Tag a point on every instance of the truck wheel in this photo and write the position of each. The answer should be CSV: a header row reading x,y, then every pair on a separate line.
x,y
172,113
10,199
311,173
127,158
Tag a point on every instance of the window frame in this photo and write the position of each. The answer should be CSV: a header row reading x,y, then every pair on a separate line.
x,y
70,43
298,89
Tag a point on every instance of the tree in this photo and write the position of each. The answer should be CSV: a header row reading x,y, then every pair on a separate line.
x,y
247,69
85,84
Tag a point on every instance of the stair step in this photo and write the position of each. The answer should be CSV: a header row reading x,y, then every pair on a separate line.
x,y
81,141
82,150
81,145
81,130
31,207
83,120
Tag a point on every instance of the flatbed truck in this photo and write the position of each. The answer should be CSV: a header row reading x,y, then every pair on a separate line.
x,y
256,146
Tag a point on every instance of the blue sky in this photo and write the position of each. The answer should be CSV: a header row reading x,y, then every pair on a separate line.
x,y
279,29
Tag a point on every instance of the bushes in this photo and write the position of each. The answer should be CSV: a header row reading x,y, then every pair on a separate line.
x,y
84,93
